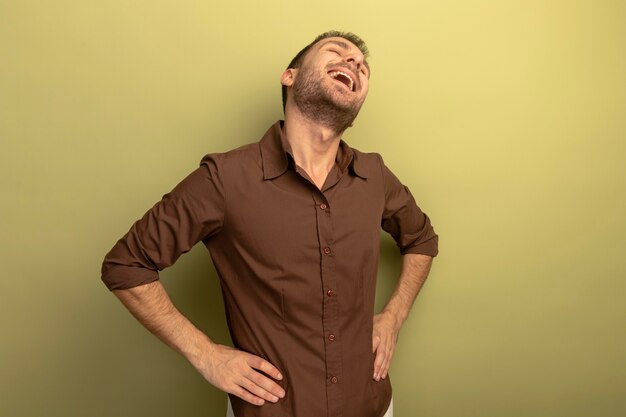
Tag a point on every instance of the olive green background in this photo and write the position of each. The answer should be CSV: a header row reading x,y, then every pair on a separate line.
x,y
505,118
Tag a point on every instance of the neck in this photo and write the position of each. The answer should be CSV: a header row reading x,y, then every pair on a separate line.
x,y
314,146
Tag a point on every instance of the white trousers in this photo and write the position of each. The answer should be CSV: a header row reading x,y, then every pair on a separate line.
x,y
389,413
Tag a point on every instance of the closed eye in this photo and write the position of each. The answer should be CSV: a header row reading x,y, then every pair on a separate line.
x,y
364,71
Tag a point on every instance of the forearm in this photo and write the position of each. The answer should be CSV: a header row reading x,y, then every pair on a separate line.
x,y
387,324
153,308
415,269
228,369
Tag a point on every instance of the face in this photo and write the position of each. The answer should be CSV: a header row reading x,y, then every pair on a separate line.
x,y
331,84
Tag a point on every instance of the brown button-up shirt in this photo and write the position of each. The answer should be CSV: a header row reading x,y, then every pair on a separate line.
x,y
297,264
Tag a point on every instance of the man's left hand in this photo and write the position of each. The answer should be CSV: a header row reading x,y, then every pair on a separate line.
x,y
384,338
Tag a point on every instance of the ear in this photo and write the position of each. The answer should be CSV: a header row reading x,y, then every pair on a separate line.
x,y
288,77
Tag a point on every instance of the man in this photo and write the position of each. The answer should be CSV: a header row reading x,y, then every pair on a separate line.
x,y
292,224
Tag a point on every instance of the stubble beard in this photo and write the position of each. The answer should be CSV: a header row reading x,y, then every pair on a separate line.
x,y
316,103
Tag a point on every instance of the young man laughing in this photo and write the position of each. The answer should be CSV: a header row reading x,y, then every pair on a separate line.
x,y
292,223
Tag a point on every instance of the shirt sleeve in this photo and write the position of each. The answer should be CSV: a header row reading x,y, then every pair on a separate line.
x,y
192,211
409,226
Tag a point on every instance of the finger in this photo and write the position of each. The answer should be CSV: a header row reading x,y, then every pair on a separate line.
x,y
263,365
385,366
387,363
375,342
257,390
247,396
378,362
266,384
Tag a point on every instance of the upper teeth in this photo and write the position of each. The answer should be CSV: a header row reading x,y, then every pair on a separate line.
x,y
334,74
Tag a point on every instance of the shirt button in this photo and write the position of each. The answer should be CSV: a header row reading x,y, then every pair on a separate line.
x,y
323,206
327,250
331,337
334,380
330,293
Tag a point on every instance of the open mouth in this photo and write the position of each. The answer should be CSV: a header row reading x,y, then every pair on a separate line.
x,y
343,78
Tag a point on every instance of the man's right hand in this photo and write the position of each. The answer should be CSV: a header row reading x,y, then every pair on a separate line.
x,y
235,372
231,370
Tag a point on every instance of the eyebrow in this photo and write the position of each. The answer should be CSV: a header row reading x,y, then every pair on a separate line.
x,y
344,45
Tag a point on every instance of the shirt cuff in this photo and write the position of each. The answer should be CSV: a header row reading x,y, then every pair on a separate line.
x,y
429,247
121,277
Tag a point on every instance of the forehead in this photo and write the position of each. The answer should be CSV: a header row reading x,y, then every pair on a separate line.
x,y
337,41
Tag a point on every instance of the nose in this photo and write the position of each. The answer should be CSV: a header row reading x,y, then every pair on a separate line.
x,y
356,59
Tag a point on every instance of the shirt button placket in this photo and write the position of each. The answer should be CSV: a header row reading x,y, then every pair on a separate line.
x,y
330,318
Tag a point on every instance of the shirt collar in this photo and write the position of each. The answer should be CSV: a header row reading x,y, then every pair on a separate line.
x,y
277,155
